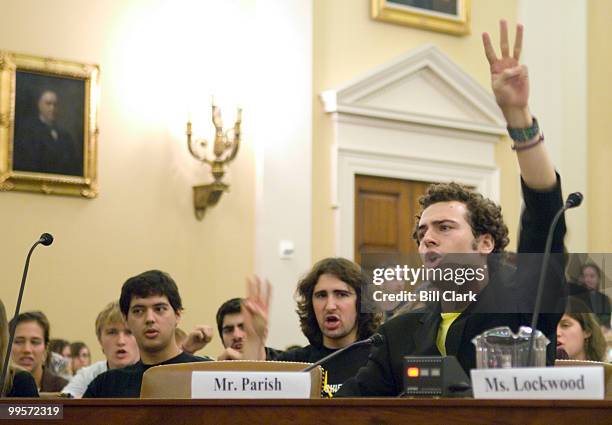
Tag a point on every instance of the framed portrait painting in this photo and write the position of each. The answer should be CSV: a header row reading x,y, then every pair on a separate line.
x,y
448,16
48,125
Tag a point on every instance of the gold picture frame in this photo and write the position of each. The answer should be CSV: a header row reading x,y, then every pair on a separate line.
x,y
48,125
447,16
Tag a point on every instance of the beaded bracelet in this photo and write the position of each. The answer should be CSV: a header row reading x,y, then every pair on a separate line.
x,y
521,146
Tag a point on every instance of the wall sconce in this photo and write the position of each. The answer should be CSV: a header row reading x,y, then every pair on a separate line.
x,y
225,148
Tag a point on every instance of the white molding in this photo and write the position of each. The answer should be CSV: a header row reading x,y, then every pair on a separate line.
x,y
448,134
428,62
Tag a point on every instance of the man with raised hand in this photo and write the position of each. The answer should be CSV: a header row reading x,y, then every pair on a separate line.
x,y
328,306
230,323
456,220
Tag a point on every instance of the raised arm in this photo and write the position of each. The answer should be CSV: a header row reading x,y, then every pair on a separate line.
x,y
255,312
510,83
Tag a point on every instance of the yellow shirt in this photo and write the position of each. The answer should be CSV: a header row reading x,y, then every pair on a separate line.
x,y
447,321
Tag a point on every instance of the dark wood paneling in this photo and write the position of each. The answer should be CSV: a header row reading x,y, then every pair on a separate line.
x,y
385,212
332,412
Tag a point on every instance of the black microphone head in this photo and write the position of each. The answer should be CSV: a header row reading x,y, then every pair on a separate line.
x,y
377,339
574,200
46,239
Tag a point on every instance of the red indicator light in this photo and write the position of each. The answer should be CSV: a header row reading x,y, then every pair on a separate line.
x,y
413,372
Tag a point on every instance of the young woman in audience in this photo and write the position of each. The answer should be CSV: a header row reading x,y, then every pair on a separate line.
x,y
81,357
29,350
18,382
579,334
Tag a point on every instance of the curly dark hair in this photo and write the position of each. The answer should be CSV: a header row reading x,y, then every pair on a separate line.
x,y
349,273
484,216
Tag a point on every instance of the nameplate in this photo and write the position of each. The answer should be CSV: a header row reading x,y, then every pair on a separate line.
x,y
250,384
544,383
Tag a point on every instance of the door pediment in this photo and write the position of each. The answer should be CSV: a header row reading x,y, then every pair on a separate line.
x,y
422,87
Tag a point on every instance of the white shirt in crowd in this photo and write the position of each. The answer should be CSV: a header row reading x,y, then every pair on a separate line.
x,y
80,381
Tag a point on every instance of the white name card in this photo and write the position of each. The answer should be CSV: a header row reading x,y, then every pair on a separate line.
x,y
245,384
543,383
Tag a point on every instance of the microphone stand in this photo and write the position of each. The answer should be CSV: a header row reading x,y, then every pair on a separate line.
x,y
46,239
574,200
376,339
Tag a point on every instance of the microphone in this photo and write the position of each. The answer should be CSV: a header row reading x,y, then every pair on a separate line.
x,y
573,200
45,239
376,340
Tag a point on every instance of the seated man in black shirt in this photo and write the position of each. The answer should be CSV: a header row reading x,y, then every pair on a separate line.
x,y
329,298
151,305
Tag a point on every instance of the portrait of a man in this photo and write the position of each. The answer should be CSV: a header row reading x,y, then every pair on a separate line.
x,y
49,124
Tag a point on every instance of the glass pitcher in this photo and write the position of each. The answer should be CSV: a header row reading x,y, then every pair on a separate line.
x,y
501,348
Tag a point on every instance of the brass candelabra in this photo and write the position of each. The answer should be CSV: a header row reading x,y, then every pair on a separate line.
x,y
225,147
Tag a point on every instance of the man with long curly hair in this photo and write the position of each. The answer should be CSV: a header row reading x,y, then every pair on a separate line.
x,y
328,306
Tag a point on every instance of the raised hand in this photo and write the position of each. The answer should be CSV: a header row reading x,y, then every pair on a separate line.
x,y
509,79
255,313
198,338
510,82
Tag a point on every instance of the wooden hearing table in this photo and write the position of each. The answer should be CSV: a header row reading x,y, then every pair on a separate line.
x,y
355,411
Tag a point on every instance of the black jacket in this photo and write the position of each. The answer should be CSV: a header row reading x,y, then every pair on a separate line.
x,y
36,150
507,300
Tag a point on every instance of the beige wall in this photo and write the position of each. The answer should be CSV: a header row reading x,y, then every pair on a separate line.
x,y
148,52
599,125
347,43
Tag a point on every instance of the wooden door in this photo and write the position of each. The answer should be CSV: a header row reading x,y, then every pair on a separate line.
x,y
385,211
